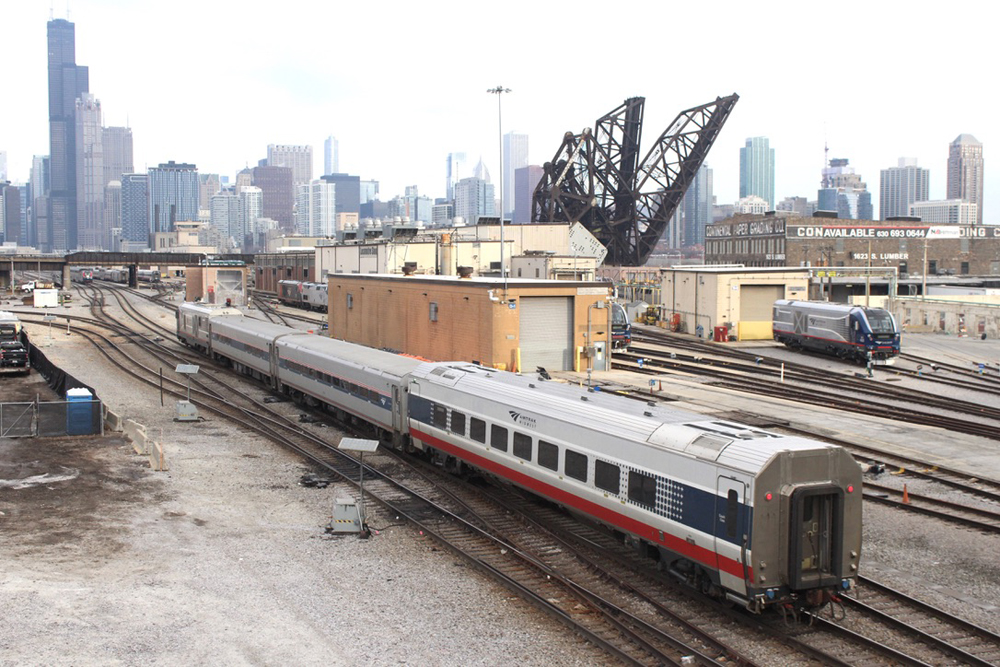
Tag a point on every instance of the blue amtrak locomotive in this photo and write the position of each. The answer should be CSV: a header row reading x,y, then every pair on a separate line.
x,y
841,329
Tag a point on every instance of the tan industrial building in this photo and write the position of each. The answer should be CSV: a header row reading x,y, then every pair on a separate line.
x,y
699,299
528,323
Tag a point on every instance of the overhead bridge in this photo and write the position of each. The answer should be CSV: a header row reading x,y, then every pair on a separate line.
x,y
41,263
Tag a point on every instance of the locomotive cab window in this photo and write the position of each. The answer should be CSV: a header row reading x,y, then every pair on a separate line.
x,y
575,465
498,438
642,488
522,446
457,422
439,416
548,455
607,476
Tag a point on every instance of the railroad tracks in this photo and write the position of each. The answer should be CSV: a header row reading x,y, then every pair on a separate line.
x,y
555,577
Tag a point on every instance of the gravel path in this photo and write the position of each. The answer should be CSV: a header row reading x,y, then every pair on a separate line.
x,y
224,560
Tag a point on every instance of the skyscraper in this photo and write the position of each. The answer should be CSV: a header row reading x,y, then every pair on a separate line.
x,y
348,194
525,181
135,210
474,197
515,156
316,210
757,170
251,200
226,217
299,158
90,182
278,193
901,186
117,143
3,166
40,183
844,191
455,170
67,81
965,172
174,195
697,207
331,155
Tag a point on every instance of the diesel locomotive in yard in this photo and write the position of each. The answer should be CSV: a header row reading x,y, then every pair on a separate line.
x,y
847,331
744,514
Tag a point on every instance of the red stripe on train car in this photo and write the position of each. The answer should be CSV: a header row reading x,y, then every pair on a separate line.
x,y
608,516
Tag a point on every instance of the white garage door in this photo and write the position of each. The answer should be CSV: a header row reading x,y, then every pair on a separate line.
x,y
546,331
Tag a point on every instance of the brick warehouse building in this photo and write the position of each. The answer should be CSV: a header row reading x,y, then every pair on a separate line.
x,y
904,243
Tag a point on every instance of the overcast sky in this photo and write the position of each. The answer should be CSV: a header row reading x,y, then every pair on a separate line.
x,y
402,84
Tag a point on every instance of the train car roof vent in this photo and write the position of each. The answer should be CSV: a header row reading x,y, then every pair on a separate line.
x,y
707,446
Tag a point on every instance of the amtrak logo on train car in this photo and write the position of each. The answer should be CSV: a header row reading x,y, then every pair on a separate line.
x,y
522,420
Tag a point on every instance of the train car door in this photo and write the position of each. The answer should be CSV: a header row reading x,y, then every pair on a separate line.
x,y
397,415
731,533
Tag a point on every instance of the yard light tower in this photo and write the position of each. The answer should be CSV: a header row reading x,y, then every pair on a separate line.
x,y
499,91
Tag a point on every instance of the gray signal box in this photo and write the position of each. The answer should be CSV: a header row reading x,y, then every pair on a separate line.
x,y
346,516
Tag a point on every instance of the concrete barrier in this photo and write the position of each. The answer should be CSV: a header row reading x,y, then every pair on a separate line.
x,y
144,445
112,421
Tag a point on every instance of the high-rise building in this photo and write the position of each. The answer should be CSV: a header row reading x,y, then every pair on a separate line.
x,y
299,158
40,180
515,156
965,172
316,210
331,155
174,193
90,182
251,201
697,207
112,211
844,191
135,223
348,192
455,170
751,204
945,212
474,197
799,206
278,192
369,191
226,217
3,166
525,181
757,170
900,186
67,82
117,142
10,212
208,185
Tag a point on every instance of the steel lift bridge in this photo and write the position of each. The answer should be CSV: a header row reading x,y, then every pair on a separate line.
x,y
596,177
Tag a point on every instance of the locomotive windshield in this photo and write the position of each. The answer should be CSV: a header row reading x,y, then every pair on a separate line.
x,y
880,321
618,317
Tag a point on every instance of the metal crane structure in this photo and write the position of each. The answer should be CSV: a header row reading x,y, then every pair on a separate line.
x,y
596,177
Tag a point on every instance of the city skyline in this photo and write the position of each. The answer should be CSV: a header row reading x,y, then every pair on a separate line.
x,y
295,94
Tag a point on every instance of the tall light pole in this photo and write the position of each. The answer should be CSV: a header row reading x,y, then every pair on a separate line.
x,y
499,91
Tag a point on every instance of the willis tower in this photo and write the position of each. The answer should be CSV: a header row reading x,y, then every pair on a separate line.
x,y
67,82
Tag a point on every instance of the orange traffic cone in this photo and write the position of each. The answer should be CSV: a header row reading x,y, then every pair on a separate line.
x,y
906,496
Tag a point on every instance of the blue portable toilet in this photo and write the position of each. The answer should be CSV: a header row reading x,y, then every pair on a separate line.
x,y
79,412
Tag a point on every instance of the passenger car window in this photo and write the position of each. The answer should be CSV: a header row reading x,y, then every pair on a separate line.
x,y
607,476
732,507
548,455
498,438
576,465
477,430
642,488
522,446
457,422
